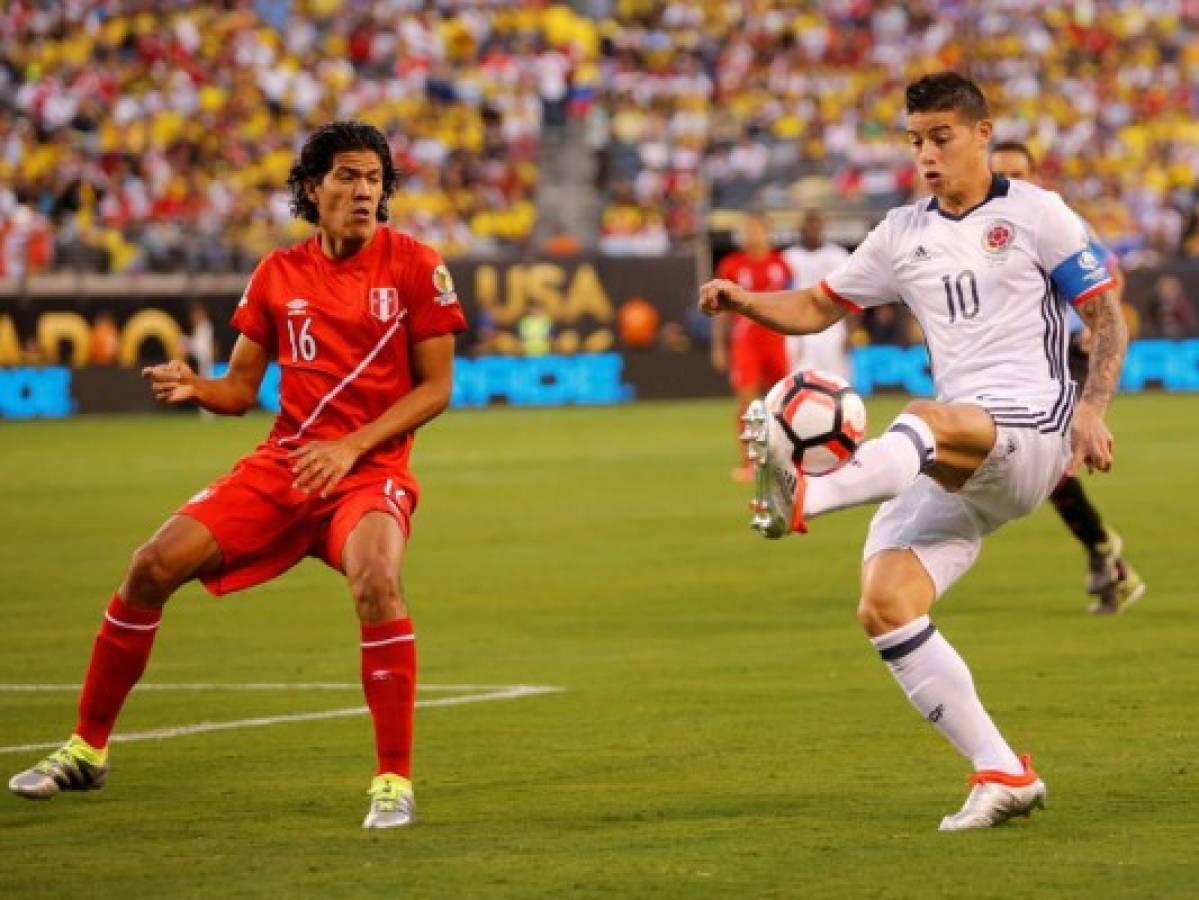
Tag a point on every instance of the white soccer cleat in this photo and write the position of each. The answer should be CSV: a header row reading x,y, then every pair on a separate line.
x,y
777,505
393,804
997,797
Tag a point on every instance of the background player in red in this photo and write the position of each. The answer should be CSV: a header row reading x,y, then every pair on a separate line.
x,y
754,356
361,319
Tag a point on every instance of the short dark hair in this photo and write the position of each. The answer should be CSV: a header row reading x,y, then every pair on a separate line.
x,y
946,91
316,159
1016,147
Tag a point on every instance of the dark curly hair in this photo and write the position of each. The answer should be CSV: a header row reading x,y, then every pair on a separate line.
x,y
316,159
946,91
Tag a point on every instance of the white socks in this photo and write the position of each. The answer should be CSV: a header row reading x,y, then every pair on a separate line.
x,y
932,674
881,469
937,681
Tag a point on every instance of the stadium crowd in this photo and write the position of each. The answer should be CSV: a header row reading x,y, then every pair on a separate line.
x,y
138,136
778,103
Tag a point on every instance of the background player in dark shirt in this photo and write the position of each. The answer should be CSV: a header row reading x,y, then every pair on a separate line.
x,y
361,320
1109,576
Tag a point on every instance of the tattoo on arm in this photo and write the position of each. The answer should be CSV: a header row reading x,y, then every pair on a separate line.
x,y
1109,338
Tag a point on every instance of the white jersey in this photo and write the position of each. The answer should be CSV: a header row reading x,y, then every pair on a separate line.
x,y
201,347
989,288
809,267
827,350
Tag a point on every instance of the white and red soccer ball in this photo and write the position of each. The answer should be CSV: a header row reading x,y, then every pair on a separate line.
x,y
818,420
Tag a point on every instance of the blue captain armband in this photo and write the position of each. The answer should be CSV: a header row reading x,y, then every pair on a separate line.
x,y
1082,276
1106,258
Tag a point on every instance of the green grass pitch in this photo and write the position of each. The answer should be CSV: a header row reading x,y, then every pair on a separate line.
x,y
725,729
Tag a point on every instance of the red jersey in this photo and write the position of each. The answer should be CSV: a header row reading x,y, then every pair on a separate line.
x,y
764,273
343,331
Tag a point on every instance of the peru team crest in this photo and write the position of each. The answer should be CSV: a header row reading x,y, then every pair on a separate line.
x,y
385,303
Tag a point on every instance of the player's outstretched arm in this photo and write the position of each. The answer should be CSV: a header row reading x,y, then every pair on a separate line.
x,y
805,311
1092,441
232,394
319,466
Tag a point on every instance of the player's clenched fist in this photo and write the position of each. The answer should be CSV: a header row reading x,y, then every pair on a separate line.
x,y
719,295
1091,441
171,382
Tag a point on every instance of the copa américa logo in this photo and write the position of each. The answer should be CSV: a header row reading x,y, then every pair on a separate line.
x,y
443,283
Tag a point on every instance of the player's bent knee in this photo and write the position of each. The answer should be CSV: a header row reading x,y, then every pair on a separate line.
x,y
376,590
154,574
881,611
373,580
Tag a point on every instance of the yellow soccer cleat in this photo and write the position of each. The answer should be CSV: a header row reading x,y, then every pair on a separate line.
x,y
392,802
76,766
1123,592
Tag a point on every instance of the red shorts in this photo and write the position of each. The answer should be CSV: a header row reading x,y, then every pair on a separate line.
x,y
264,526
756,364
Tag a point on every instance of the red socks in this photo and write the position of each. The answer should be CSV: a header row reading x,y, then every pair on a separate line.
x,y
122,649
389,682
119,657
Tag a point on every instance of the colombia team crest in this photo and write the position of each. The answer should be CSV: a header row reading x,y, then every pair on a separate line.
x,y
998,236
385,303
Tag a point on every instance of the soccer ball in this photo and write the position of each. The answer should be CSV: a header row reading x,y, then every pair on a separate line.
x,y
820,419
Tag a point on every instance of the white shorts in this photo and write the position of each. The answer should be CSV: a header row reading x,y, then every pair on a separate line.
x,y
945,530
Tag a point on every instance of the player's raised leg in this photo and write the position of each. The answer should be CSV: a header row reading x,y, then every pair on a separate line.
x,y
180,550
947,441
373,555
897,595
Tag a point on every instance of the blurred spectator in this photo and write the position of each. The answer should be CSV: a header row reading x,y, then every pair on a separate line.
x,y
1169,311
149,137
26,242
751,97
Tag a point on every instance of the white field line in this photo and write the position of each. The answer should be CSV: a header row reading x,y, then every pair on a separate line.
x,y
492,692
